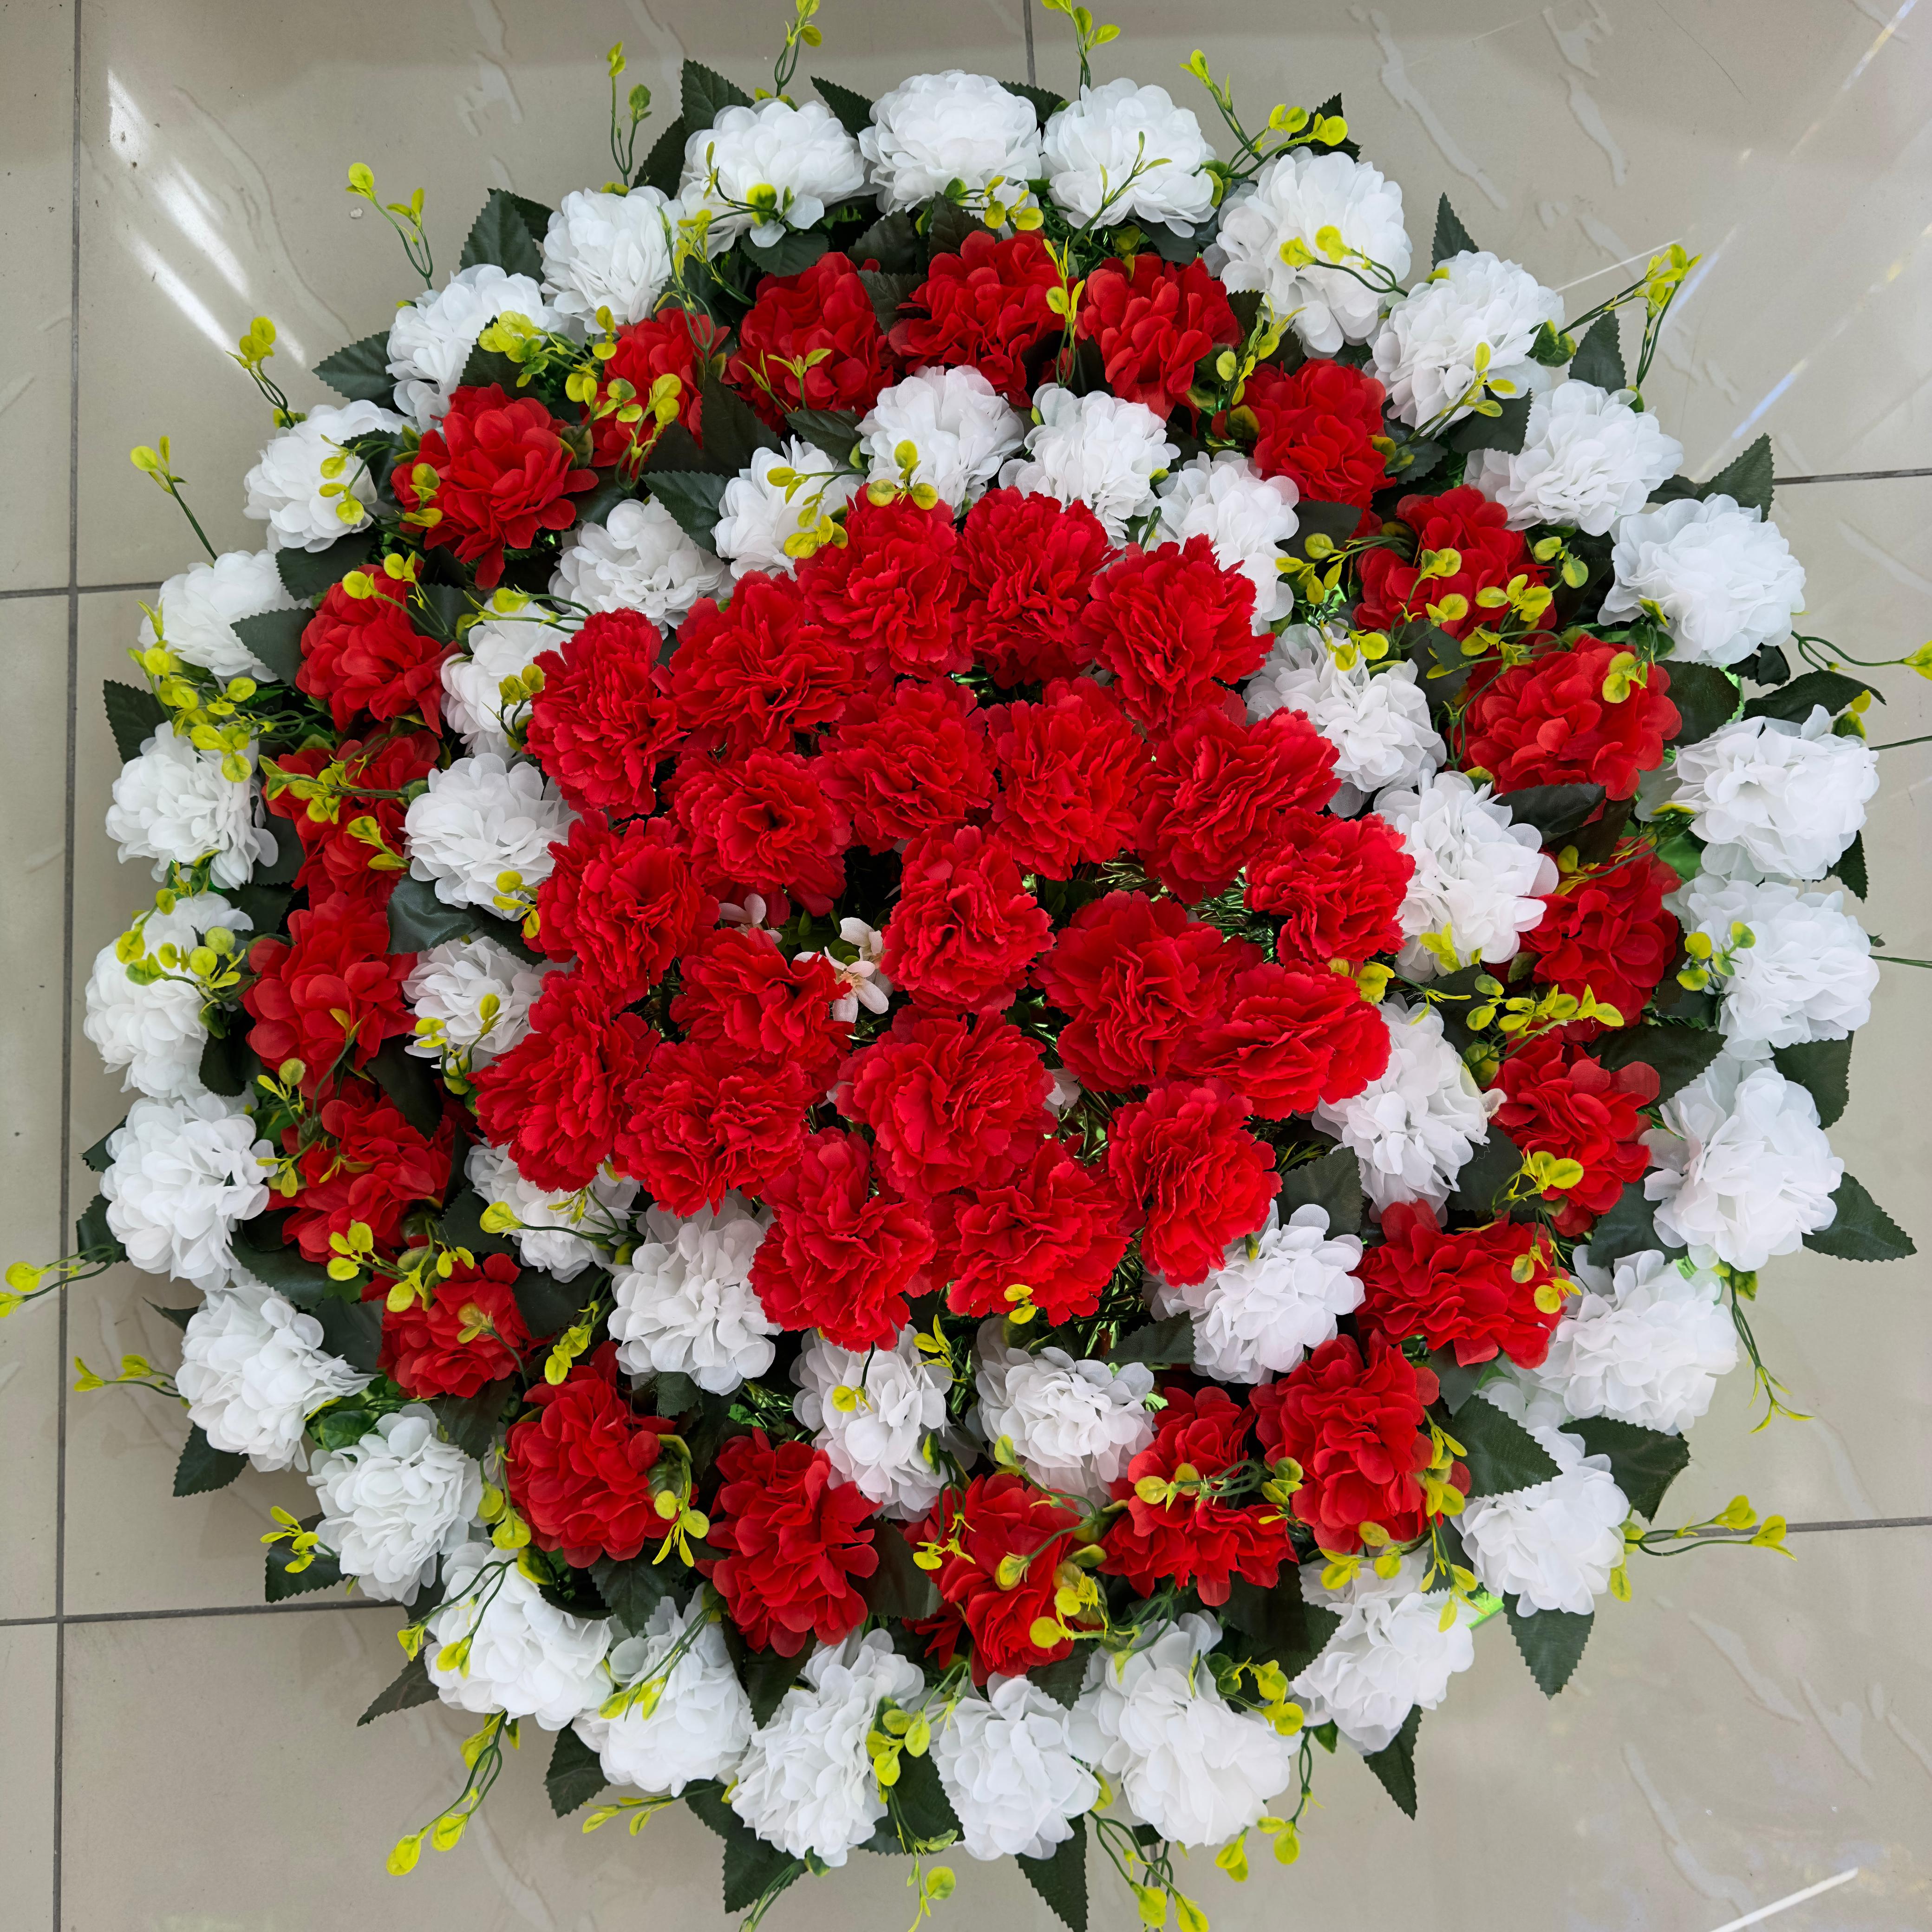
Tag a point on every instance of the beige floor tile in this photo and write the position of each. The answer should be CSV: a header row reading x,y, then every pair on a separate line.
x,y
36,288
27,1680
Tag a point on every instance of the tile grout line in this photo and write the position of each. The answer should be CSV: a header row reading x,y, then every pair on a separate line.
x,y
1848,476
1026,15
85,589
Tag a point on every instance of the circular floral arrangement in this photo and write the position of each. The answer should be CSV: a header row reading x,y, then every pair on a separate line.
x,y
981,964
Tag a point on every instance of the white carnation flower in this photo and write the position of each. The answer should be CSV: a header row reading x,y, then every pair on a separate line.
x,y
1246,516
756,516
479,819
432,336
638,558
1425,354
1006,1761
613,251
284,488
685,1305
1276,1296
253,1371
1293,198
449,984
1389,1653
517,1653
937,128
1153,1721
394,1502
562,1234
1097,449
1644,1343
801,155
1377,720
963,428
1479,875
1744,1171
155,1033
174,805
1127,153
182,1175
1785,798
1413,1129
880,1443
1074,1425
699,1722
200,608
472,698
806,1783
1724,579
1588,458
1807,972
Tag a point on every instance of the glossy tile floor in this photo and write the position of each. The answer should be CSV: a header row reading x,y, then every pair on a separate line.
x,y
176,1757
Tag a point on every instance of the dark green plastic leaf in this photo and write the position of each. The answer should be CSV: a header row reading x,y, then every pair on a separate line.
x,y
791,254
1552,1642
946,233
1180,245
893,243
1823,1068
706,93
275,637
1766,665
733,431
352,1330
1502,1456
1493,1164
220,1070
1333,1182
97,1157
411,1688
1628,1228
93,1237
898,1590
1395,1763
279,1582
887,293
1060,1878
1679,1054
575,1775
258,1248
1645,1462
663,166
1554,810
361,372
1062,1678
596,506
133,716
409,1083
487,368
180,1317
203,1467
1706,697
1851,869
834,431
462,1225
509,232
1276,1625
1600,355
753,1870
631,1590
1503,431
307,574
767,1676
675,1394
1451,237
920,1804
1162,1345
548,1306
1335,521
693,498
1046,103
470,1421
419,920
1457,1383
1745,479
1860,1230
267,906
852,110
1793,702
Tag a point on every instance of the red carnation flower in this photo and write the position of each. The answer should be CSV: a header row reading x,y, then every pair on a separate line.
x,y
999,1524
745,1000
1193,1536
673,342
557,1098
1462,519
1335,884
1286,1040
701,1124
889,589
368,1165
1184,1157
986,307
910,761
1073,778
490,475
762,823
605,718
1460,1290
1219,789
1057,1227
812,342
362,654
1352,1416
965,929
622,903
471,1334
1135,976
1551,721
1318,425
761,670
1561,1101
839,1258
1152,322
1025,567
342,853
1606,931
1168,622
331,993
580,1468
794,1539
952,1102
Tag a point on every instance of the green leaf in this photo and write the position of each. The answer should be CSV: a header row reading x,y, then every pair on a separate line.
x,y
203,1467
1395,1763
706,95
1333,1182
888,293
675,1394
548,1306
1645,1462
1060,1878
462,1225
631,1590
1745,479
361,372
282,868
834,431
1552,1642
267,906
1860,1230
1335,521
258,1248
93,1237
1823,1068
133,716
1493,1163
1793,702
1554,810
575,1775
279,1583
920,1803
753,1869
1503,431
1600,355
663,166
1629,1227
419,920
97,1157
307,575
1679,1054
852,110
1046,103
1851,868
487,368
410,1083
596,506
898,1590
1457,1383
894,244
733,431
1502,1456
1276,1626
352,1330
470,1421
1162,1345
1451,238
180,1317
220,1070
510,233
791,254
1180,245
1706,699
1061,1680
767,1676
950,224
693,498
411,1688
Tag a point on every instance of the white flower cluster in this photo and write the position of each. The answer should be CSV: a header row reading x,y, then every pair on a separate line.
x,y
200,609
757,516
875,1412
451,982
1074,1425
1588,458
801,157
284,489
174,805
609,251
395,1502
939,128
962,428
181,1176
514,1652
1246,516
1096,449
638,558
473,696
431,337
479,819
1006,1760
1426,352
685,1302
1127,153
564,1234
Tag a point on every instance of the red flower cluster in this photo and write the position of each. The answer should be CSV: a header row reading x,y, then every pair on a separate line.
x,y
362,654
1607,932
1026,566
1335,884
329,994
358,848
1319,425
1463,521
605,718
472,1333
1152,322
367,1164
812,342
1560,1101
623,903
673,342
984,308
